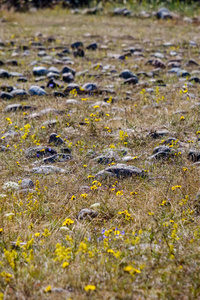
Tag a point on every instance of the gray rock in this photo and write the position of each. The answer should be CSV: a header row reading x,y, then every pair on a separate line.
x,y
53,75
39,152
18,92
50,123
12,107
36,91
132,80
89,87
10,134
122,171
108,158
72,101
26,183
46,170
60,157
16,74
162,152
86,213
54,70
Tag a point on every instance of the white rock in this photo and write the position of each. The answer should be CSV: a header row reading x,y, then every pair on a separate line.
x,y
10,185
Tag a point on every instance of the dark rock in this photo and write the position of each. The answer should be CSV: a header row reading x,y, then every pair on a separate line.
x,y
40,71
6,88
126,74
86,213
79,52
68,77
52,83
67,69
12,62
76,45
55,139
71,87
58,94
163,13
65,150
92,46
194,79
4,74
183,73
22,79
5,96
60,157
194,155
3,148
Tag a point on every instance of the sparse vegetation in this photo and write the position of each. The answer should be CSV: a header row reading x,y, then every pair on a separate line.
x,y
140,236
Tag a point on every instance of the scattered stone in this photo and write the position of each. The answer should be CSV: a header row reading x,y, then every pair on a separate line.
x,y
86,213
10,186
126,74
68,77
4,74
194,155
162,152
26,183
92,46
5,96
121,171
60,157
40,71
55,139
39,152
46,170
67,69
19,92
108,158
36,91
89,87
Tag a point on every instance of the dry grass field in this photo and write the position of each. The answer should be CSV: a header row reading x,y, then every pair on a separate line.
x,y
139,237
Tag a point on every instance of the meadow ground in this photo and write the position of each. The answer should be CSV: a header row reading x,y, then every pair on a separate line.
x,y
142,240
